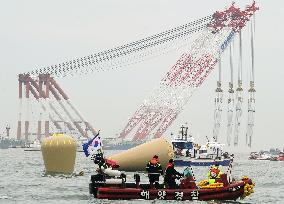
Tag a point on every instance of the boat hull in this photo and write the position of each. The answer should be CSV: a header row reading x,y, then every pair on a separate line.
x,y
231,192
280,158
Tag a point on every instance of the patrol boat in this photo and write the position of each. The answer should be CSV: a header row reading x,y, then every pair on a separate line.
x,y
189,153
117,188
112,184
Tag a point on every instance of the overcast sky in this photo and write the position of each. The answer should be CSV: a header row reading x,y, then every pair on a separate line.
x,y
41,33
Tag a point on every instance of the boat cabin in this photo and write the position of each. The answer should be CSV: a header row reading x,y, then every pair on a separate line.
x,y
211,150
183,144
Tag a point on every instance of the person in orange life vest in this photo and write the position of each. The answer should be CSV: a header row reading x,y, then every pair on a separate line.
x,y
214,173
154,170
171,175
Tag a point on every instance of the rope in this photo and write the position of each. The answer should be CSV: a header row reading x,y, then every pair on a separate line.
x,y
230,109
252,50
218,103
231,63
229,170
193,176
107,56
220,69
251,100
240,57
239,97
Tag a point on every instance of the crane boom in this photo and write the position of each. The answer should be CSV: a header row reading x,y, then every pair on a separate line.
x,y
126,54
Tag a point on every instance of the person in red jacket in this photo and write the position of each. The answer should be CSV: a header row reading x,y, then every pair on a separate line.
x,y
171,175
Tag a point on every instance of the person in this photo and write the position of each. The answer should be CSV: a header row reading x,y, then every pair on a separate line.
x,y
170,175
214,173
188,181
187,153
99,159
154,170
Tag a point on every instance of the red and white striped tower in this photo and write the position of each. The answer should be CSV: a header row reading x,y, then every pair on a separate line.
x,y
19,127
27,111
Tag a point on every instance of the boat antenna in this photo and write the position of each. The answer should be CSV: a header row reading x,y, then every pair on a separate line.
x,y
182,132
207,138
186,128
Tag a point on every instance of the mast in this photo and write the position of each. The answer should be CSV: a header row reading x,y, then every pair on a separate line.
x,y
8,131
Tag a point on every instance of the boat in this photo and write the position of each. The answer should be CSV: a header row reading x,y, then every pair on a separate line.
x,y
17,143
5,143
188,153
274,152
33,146
280,156
276,155
112,184
119,189
262,155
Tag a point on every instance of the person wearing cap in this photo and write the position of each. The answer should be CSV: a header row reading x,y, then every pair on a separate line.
x,y
170,175
154,170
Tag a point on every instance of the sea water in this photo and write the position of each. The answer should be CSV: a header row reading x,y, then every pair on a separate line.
x,y
22,180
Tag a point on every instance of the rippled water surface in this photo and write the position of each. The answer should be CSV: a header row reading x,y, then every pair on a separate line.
x,y
22,180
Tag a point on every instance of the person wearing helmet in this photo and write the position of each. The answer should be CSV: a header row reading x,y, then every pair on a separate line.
x,y
214,173
154,170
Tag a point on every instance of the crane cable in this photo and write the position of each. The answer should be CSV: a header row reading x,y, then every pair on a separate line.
x,y
78,64
218,102
239,95
251,91
230,110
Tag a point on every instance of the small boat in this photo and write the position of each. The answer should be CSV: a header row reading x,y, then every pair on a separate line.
x,y
262,155
5,141
33,146
119,189
189,153
280,156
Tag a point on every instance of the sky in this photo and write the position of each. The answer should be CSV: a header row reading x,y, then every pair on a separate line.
x,y
36,33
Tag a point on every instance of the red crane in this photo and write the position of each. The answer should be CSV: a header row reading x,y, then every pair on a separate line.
x,y
157,113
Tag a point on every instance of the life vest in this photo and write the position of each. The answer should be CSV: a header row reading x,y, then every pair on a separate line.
x,y
154,166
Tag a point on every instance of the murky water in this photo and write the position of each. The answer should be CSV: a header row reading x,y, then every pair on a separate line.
x,y
22,180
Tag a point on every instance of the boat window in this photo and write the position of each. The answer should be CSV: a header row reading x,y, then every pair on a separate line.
x,y
183,145
188,145
179,145
203,151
